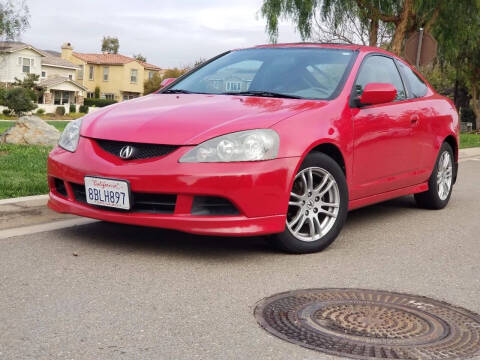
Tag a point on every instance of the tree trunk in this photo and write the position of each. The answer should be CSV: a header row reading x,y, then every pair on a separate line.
x,y
373,32
401,28
476,106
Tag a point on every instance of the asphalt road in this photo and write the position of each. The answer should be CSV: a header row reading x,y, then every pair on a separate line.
x,y
104,291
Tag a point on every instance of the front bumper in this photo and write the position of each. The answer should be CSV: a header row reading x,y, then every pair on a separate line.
x,y
258,190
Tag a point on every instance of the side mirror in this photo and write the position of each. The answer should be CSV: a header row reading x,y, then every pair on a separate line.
x,y
378,93
167,82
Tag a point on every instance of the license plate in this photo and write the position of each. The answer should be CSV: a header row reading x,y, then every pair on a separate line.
x,y
107,192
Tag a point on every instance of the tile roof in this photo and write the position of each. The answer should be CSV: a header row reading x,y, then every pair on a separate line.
x,y
104,59
57,80
149,66
112,59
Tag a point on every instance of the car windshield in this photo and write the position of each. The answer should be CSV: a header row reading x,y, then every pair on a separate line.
x,y
307,73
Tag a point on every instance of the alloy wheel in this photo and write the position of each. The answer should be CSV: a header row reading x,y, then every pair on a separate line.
x,y
314,204
444,175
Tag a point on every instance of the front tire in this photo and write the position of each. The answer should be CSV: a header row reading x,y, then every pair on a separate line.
x,y
440,183
317,208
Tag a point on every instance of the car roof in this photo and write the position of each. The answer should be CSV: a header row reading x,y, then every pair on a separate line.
x,y
354,47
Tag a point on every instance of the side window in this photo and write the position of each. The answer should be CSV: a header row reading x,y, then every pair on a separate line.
x,y
380,69
417,86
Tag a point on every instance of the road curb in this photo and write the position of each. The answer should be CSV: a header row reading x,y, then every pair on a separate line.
x,y
24,199
468,153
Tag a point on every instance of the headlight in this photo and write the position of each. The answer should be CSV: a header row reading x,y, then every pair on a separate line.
x,y
250,145
69,138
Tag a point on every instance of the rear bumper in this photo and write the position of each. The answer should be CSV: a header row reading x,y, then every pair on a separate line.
x,y
258,190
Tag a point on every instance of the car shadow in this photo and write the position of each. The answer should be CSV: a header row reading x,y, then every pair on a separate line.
x,y
128,238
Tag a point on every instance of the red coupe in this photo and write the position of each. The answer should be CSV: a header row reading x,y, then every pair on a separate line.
x,y
281,140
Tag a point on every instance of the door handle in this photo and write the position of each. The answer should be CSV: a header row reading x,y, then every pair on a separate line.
x,y
414,119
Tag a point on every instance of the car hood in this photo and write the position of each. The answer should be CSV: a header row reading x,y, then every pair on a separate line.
x,y
188,119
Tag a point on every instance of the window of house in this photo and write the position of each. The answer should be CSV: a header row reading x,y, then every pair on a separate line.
x,y
133,75
26,64
90,95
150,75
80,72
44,74
110,96
106,70
233,86
90,72
70,77
61,97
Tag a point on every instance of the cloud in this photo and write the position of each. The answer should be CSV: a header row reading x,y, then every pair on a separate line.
x,y
169,33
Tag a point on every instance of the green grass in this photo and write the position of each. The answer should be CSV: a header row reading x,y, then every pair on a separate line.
x,y
23,170
59,124
469,140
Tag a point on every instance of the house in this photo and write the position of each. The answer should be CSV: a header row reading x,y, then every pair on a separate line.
x,y
56,75
118,77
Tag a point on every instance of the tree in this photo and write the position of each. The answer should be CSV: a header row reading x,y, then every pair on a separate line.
x,y
13,19
20,100
140,57
152,84
29,82
110,45
401,17
174,73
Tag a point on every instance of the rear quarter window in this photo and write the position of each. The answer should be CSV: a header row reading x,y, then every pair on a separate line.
x,y
416,85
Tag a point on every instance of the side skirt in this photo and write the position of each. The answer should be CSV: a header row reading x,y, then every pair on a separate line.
x,y
355,204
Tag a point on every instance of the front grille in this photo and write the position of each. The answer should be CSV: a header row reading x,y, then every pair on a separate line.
x,y
140,150
141,202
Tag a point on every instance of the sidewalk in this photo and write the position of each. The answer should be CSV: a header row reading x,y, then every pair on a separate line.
x,y
32,210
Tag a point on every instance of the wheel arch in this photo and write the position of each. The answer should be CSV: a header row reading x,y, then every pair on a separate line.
x,y
331,150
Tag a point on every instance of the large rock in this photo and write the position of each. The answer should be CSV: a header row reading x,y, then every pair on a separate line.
x,y
31,130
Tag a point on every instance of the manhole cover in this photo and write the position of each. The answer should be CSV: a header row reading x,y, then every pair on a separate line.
x,y
368,324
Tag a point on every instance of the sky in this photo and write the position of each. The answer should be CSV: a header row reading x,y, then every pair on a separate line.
x,y
169,33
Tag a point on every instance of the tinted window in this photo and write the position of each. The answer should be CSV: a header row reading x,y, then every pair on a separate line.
x,y
380,69
312,73
417,86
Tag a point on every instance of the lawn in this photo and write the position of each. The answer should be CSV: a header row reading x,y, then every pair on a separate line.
x,y
23,170
469,140
60,125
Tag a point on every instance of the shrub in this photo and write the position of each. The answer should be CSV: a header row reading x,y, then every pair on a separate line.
x,y
20,100
83,109
40,111
97,93
72,108
60,110
7,112
98,102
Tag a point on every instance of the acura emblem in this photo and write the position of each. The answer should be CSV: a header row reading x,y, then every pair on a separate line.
x,y
127,152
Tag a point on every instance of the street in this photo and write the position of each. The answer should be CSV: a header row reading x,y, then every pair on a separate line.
x,y
109,291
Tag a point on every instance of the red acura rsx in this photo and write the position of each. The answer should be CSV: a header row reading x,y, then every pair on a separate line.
x,y
280,140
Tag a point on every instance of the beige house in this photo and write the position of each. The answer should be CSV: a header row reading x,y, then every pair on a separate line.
x,y
57,76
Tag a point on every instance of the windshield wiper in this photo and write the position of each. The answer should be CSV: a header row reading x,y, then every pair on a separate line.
x,y
263,94
177,91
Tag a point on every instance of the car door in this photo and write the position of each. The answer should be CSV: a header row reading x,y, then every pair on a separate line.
x,y
385,150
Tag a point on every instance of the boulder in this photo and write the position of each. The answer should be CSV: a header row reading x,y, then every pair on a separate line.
x,y
31,130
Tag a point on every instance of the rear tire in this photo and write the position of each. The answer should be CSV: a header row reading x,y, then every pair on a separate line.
x,y
440,183
318,206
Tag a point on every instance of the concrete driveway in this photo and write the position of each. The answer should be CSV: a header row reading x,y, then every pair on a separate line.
x,y
106,291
